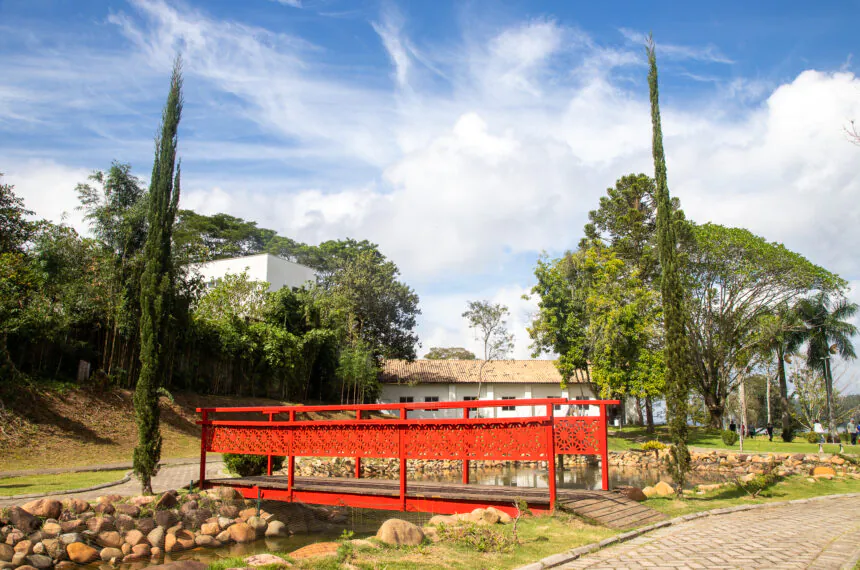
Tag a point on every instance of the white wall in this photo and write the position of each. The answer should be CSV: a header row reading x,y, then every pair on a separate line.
x,y
391,394
277,272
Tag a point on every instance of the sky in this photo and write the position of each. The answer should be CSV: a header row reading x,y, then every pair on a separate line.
x,y
465,138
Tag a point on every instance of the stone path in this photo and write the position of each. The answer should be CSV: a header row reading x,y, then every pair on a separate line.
x,y
169,477
819,535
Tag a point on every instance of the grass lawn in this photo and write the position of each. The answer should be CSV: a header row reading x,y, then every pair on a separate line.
x,y
632,438
52,483
796,487
539,537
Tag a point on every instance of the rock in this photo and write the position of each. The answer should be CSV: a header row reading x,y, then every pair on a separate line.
x,y
242,533
210,529
174,529
224,522
39,548
223,537
486,516
54,548
25,546
76,506
104,509
81,553
823,470
431,534
166,519
6,553
188,506
194,518
258,524
155,553
143,500
836,460
825,476
664,489
634,493
40,561
276,529
14,537
229,511
65,565
315,550
146,525
19,558
401,533
74,525
141,550
747,478
436,520
70,537
45,508
166,501
51,529
182,540
206,541
265,560
22,520
649,492
181,565
123,523
109,539
104,499
135,537
227,494
35,537
108,554
504,518
156,537
130,510
100,524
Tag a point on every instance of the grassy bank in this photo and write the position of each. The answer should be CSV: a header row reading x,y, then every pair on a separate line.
x,y
54,483
632,438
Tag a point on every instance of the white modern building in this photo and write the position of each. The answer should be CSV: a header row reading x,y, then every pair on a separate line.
x,y
458,380
278,272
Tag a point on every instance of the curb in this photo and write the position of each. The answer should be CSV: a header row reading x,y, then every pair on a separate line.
x,y
125,479
571,555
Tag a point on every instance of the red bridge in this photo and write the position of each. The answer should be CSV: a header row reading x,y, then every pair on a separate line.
x,y
465,437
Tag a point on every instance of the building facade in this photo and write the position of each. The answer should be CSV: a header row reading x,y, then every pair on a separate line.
x,y
278,272
463,380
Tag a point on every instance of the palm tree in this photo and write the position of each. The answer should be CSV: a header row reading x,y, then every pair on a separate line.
x,y
779,337
827,333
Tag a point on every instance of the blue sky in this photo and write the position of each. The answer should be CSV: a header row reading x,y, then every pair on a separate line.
x,y
465,138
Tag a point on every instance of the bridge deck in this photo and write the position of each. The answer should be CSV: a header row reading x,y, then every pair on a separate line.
x,y
605,507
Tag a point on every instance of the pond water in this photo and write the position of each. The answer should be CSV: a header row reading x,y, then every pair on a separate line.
x,y
365,522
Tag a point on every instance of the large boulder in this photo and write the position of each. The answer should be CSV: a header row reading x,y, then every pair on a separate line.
x,y
242,533
634,493
109,539
81,553
181,565
265,560
664,489
823,470
135,537
276,529
316,550
123,523
504,518
130,510
166,519
166,501
74,525
98,525
108,554
76,506
258,524
22,520
45,508
155,537
40,561
400,533
54,548
6,552
436,520
229,511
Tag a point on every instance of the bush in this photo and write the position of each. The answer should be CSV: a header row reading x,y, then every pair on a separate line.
x,y
249,465
812,437
729,437
759,483
654,446
788,435
479,538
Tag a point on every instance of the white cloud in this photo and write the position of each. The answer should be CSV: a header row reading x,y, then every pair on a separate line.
x,y
292,3
48,189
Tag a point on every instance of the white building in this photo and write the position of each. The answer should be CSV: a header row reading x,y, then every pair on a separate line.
x,y
458,380
278,272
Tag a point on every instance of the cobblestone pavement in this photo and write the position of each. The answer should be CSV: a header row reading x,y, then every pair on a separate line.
x,y
169,477
820,535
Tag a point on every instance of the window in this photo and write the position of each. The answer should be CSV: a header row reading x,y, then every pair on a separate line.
x,y
431,399
509,408
557,407
469,398
406,399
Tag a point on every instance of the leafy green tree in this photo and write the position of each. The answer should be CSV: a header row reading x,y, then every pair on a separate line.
x,y
219,236
488,320
735,279
676,348
778,338
15,229
827,333
157,285
449,353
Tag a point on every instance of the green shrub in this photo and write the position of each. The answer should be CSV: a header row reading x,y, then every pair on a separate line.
x,y
812,437
759,483
729,437
654,446
478,537
788,435
249,465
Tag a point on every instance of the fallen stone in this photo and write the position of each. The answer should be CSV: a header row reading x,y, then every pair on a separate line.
x,y
276,529
649,491
634,493
135,537
316,550
141,550
130,510
22,520
206,541
76,506
104,509
45,508
166,519
70,537
109,539
156,537
664,489
98,525
210,529
223,537
19,558
51,529
823,470
166,501
401,533
265,560
181,540
39,548
146,525
74,525
81,553
6,553
224,522
123,523
242,533
258,524
40,561
436,520
25,546
108,554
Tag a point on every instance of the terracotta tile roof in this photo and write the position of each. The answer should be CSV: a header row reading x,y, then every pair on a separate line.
x,y
466,371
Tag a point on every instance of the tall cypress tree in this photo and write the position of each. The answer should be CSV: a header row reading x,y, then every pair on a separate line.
x,y
677,379
156,287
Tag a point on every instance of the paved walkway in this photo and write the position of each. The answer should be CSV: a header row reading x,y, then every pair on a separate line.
x,y
169,477
822,534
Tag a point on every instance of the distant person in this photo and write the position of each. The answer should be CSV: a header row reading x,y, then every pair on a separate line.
x,y
852,431
733,426
819,429
769,431
857,433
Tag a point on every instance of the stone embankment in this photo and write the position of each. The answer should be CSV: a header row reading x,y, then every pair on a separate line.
x,y
47,533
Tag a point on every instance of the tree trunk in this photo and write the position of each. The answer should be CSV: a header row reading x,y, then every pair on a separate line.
x,y
640,420
783,392
716,409
828,383
743,398
767,397
649,415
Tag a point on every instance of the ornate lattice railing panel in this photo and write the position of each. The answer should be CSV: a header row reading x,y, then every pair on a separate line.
x,y
511,441
245,439
577,436
311,440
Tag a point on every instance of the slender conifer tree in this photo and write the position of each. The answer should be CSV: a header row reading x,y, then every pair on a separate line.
x,y
677,378
156,288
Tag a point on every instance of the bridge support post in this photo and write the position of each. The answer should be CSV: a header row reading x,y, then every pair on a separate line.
x,y
550,455
291,461
358,459
402,453
465,461
269,456
604,449
204,418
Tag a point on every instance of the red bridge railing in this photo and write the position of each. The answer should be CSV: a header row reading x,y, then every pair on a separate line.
x,y
530,438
